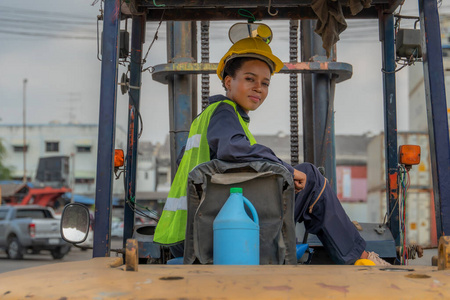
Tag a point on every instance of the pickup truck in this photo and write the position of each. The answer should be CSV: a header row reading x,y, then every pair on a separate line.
x,y
30,228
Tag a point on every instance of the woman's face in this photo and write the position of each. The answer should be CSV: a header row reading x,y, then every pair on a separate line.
x,y
250,86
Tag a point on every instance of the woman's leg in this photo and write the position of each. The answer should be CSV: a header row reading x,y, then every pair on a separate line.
x,y
325,217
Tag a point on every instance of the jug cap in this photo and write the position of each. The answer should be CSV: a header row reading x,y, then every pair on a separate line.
x,y
235,190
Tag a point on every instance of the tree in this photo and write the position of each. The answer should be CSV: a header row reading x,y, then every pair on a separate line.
x,y
5,172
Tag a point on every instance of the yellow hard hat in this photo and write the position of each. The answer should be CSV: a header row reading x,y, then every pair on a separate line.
x,y
250,47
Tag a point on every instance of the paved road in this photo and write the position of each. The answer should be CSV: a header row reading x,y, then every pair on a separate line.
x,y
34,260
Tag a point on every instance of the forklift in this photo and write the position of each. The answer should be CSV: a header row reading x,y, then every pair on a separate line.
x,y
320,72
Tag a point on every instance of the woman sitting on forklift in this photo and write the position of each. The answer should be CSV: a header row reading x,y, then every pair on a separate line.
x,y
221,132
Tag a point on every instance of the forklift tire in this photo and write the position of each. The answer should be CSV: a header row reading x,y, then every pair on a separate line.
x,y
14,249
60,252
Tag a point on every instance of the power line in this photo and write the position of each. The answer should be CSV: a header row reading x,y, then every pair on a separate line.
x,y
37,34
34,12
38,18
48,21
38,23
5,25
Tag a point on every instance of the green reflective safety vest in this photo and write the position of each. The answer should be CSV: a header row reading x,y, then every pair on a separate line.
x,y
171,228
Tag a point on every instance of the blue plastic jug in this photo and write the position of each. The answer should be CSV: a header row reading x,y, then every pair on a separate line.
x,y
236,235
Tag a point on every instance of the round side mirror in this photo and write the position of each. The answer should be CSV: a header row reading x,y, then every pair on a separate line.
x,y
75,223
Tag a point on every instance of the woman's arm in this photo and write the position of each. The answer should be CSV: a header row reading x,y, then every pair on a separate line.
x,y
227,140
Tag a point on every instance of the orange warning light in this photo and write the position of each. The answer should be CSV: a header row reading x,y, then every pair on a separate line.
x,y
118,158
409,155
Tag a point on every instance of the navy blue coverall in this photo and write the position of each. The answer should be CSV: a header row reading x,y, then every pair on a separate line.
x,y
327,219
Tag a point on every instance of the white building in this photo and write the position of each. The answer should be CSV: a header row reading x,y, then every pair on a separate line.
x,y
78,141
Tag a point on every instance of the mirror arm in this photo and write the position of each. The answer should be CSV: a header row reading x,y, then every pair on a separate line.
x,y
120,251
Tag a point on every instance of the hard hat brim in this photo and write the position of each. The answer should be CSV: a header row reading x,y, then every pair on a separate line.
x,y
274,63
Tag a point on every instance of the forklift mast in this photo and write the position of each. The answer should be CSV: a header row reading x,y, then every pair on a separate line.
x,y
319,76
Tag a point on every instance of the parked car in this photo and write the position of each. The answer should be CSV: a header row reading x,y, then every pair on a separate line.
x,y
89,242
118,223
30,228
116,227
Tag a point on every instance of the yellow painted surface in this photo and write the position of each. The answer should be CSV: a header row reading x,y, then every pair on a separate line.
x,y
94,279
444,253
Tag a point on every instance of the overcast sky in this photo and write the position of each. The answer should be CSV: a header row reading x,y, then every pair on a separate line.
x,y
53,45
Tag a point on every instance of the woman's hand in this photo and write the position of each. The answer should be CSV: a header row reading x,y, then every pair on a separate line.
x,y
299,180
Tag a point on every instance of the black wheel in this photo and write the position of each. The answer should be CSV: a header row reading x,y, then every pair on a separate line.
x,y
60,252
14,250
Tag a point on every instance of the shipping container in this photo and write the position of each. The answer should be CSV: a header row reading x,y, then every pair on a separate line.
x,y
420,175
420,204
351,183
356,211
420,221
376,206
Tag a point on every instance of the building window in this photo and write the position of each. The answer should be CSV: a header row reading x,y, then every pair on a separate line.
x,y
20,148
51,146
84,149
162,177
20,178
85,180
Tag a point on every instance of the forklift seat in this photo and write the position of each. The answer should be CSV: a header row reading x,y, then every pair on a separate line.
x,y
269,187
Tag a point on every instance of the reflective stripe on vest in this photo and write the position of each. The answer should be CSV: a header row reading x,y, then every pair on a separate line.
x,y
171,228
174,204
193,142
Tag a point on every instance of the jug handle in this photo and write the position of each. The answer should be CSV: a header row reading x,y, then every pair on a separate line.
x,y
252,209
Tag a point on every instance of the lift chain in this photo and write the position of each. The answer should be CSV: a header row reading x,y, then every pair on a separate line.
x,y
293,91
205,59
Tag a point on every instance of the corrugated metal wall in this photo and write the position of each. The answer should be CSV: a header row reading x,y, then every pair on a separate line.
x,y
421,228
351,183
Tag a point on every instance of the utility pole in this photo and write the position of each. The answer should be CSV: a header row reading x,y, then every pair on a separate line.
x,y
24,133
72,182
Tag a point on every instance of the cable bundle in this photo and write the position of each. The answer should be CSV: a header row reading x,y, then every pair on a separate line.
x,y
406,252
